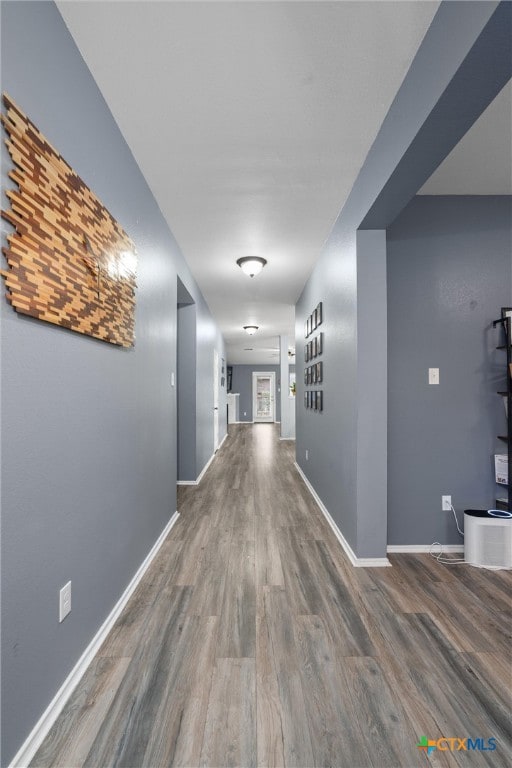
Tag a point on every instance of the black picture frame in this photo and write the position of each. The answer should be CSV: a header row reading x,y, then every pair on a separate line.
x,y
306,353
320,343
315,347
313,399
305,399
319,313
319,372
320,400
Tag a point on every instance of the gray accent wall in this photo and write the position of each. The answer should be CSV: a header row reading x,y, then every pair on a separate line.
x,y
449,267
88,460
463,62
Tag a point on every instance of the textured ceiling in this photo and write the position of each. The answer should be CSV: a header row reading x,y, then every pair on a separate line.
x,y
250,122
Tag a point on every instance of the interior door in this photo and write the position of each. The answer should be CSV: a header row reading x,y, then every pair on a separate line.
x,y
263,393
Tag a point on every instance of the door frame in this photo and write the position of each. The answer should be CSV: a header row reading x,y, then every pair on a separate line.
x,y
272,375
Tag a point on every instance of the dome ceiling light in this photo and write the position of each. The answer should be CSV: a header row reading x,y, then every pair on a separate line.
x,y
251,329
251,265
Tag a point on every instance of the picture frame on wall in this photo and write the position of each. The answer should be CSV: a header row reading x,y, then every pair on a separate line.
x,y
319,372
319,313
305,329
309,398
320,400
320,343
305,399
306,353
314,319
306,376
315,347
313,400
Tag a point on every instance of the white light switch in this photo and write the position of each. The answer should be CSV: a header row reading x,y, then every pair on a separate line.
x,y
433,375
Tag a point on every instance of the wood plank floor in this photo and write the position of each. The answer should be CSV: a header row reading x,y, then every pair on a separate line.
x,y
252,641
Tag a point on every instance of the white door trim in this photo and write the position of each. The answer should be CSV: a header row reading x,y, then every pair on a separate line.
x,y
272,375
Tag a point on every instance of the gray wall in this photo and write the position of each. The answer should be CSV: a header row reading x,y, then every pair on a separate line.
x,y
242,383
186,391
462,64
449,270
88,429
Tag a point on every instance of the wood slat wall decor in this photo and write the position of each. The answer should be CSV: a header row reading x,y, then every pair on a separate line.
x,y
69,261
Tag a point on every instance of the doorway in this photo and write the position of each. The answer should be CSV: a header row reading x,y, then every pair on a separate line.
x,y
215,400
263,396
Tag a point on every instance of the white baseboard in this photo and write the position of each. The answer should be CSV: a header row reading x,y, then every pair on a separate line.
x,y
34,740
203,471
411,548
287,438
358,562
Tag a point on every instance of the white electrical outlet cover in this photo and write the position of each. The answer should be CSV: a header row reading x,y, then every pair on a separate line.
x,y
64,601
433,375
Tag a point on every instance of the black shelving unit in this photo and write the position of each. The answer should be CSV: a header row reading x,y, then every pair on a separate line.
x,y
505,323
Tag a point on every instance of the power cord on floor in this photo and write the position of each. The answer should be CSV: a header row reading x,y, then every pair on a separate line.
x,y
440,557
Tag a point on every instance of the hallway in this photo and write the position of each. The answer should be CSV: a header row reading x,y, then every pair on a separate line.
x,y
251,641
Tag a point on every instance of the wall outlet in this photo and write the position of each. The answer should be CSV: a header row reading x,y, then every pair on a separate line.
x,y
307,455
433,375
64,601
446,503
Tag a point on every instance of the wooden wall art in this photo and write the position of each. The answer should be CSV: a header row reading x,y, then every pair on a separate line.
x,y
68,261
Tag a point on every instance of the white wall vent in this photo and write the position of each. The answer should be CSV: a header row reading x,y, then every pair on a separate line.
x,y
487,541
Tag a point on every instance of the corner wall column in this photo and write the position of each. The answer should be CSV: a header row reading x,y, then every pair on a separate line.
x,y
371,397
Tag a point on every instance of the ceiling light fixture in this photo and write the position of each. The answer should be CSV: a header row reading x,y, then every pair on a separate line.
x,y
251,265
251,329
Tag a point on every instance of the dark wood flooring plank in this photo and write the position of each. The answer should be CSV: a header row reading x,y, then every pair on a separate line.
x,y
281,645
182,704
269,569
386,727
336,736
71,737
270,741
230,730
123,736
237,630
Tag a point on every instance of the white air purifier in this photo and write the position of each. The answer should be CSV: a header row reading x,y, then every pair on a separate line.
x,y
487,541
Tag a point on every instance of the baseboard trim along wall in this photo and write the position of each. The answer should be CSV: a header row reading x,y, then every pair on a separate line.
x,y
34,740
418,548
203,471
358,562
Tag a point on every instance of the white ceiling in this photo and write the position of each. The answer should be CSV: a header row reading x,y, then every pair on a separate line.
x,y
250,122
